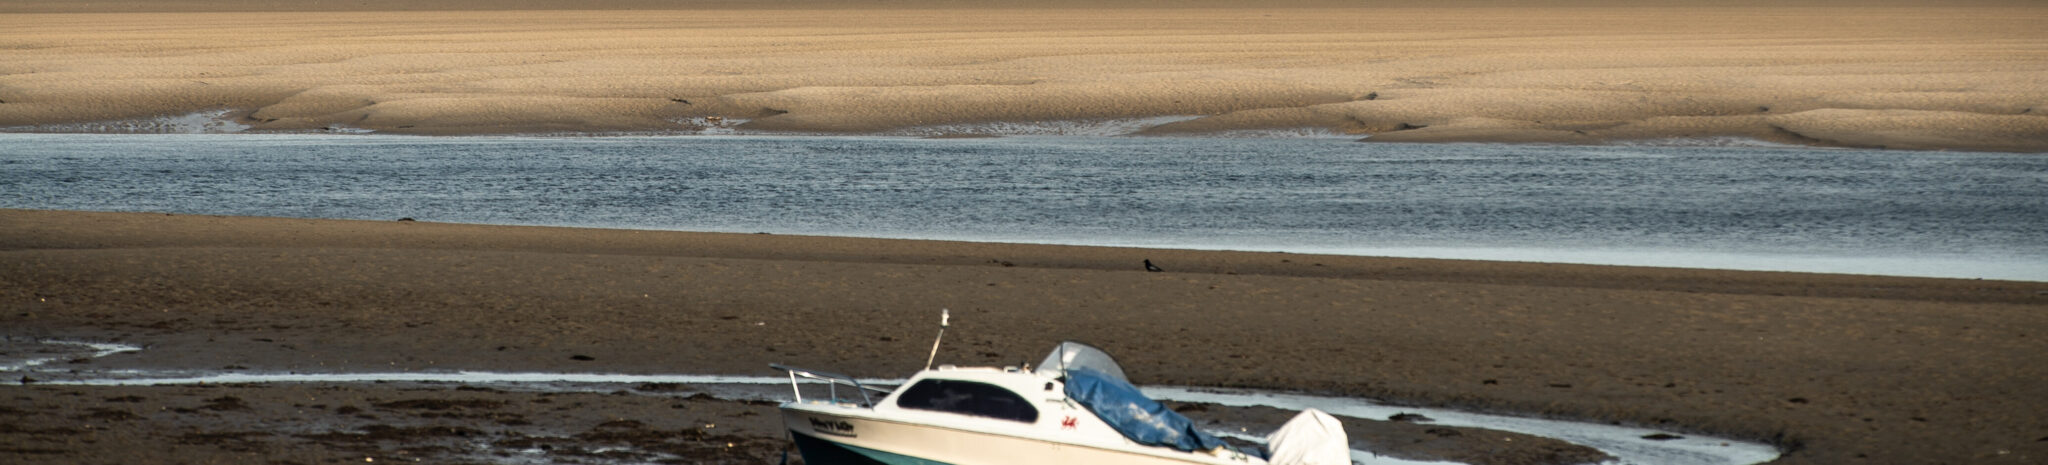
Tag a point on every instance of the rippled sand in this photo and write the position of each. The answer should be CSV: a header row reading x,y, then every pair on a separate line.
x,y
1898,76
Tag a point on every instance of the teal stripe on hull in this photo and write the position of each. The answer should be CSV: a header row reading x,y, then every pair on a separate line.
x,y
824,452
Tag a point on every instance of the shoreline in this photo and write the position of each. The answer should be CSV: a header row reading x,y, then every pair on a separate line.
x,y
1828,367
195,124
223,122
67,229
1911,77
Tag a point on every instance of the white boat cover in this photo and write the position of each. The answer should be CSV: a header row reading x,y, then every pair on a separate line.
x,y
1311,438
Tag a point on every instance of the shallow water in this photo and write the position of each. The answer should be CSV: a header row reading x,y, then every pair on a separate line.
x,y
1972,215
1626,444
22,356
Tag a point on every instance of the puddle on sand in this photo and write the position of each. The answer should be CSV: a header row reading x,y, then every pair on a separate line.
x,y
1627,445
28,354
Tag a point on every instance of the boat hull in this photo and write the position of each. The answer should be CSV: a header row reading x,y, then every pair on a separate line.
x,y
839,436
822,452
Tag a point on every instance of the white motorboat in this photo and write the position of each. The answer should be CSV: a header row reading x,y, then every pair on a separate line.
x,y
1075,408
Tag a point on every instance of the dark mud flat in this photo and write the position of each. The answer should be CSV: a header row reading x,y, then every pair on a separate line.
x,y
358,423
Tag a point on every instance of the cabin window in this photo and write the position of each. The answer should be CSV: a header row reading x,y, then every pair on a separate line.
x,y
967,398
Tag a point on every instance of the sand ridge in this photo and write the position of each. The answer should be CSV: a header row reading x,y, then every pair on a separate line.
x,y
1897,76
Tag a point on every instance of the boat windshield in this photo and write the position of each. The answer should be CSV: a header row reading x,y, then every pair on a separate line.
x,y
1070,355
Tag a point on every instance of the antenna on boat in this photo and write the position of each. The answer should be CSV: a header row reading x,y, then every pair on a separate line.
x,y
943,316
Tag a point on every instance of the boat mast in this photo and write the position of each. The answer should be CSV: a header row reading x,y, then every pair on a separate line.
x,y
943,316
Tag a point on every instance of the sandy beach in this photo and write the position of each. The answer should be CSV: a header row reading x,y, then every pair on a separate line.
x,y
1899,74
1832,368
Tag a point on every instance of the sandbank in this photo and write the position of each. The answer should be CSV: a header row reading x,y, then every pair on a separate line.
x,y
1901,74
1833,368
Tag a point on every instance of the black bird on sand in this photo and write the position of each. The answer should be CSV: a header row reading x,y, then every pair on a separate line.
x,y
1150,267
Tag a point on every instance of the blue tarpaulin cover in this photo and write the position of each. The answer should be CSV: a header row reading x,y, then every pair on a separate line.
x,y
1139,418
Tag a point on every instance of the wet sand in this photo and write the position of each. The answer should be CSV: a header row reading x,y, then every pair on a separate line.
x,y
455,423
361,423
1834,368
1897,74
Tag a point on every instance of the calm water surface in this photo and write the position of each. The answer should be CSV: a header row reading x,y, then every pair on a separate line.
x,y
1765,208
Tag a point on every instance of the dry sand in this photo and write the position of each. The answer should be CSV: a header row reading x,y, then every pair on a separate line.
x,y
1837,369
1897,74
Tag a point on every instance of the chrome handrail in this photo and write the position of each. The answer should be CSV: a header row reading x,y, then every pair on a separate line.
x,y
833,380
